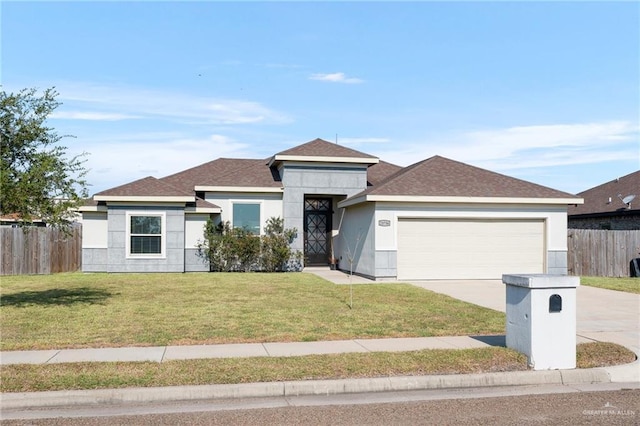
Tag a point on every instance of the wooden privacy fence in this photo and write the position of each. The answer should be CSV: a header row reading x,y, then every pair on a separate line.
x,y
37,250
601,253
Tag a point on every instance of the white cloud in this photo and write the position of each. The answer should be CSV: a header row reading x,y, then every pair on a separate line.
x,y
125,158
337,77
361,141
147,103
523,147
92,116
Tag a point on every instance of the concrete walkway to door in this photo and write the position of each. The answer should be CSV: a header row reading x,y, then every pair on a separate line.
x,y
603,315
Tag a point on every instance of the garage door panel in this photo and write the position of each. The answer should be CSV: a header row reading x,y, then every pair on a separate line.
x,y
469,249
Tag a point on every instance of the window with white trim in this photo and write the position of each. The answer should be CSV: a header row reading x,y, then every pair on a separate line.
x,y
247,215
145,234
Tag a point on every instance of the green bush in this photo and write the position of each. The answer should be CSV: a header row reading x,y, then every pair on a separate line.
x,y
230,249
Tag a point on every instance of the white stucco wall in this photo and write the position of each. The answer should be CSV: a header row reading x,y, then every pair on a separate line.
x,y
270,204
194,229
94,230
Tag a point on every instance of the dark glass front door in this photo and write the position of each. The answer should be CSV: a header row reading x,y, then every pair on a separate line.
x,y
317,229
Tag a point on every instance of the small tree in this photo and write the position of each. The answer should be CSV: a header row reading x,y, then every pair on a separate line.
x,y
37,180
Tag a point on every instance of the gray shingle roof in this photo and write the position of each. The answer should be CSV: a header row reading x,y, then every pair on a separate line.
x,y
596,199
377,173
436,176
226,172
322,148
439,176
148,187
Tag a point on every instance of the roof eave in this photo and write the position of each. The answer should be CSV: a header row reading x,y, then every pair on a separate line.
x,y
205,188
191,210
146,198
99,208
456,200
278,158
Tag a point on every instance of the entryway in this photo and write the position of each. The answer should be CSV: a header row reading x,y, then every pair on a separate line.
x,y
317,229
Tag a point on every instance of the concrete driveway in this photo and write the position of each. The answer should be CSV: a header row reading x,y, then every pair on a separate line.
x,y
603,315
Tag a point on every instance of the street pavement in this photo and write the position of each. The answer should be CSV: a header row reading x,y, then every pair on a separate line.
x,y
603,315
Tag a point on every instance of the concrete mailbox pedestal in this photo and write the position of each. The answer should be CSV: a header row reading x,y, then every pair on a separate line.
x,y
541,319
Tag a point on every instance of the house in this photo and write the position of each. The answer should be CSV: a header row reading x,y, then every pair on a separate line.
x,y
14,220
612,205
436,219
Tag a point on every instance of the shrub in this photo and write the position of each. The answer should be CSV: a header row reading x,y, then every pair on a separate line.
x,y
237,249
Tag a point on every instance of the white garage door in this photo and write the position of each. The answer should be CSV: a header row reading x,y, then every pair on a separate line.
x,y
469,249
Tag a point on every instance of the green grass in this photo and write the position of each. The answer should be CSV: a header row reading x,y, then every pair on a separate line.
x,y
113,310
602,354
630,285
32,378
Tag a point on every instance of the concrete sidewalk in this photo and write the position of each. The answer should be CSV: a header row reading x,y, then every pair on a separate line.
x,y
246,350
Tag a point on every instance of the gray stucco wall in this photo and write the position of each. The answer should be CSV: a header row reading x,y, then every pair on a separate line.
x,y
386,264
174,256
193,262
94,260
557,262
301,180
358,240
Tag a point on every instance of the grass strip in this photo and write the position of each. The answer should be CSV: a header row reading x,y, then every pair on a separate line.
x,y
629,285
31,378
602,354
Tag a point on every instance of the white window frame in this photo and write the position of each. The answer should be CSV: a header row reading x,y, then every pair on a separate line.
x,y
163,235
258,202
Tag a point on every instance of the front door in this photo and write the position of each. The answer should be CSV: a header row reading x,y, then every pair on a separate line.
x,y
317,229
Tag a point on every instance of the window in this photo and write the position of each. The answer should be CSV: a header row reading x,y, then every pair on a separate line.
x,y
247,216
145,236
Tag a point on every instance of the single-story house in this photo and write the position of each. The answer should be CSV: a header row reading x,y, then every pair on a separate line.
x,y
435,219
613,205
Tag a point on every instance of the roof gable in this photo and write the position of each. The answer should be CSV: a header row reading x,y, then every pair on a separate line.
x,y
441,177
606,198
319,150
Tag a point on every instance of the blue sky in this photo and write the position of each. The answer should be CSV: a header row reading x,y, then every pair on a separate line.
x,y
547,92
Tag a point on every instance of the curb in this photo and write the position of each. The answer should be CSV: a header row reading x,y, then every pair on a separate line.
x,y
300,388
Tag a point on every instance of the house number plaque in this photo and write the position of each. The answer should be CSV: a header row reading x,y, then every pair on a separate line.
x,y
384,222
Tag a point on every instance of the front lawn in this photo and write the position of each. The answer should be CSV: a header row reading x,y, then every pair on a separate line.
x,y
113,310
630,285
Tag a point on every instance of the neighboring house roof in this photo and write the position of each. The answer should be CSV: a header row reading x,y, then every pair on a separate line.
x,y
439,177
226,172
606,199
319,150
16,218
